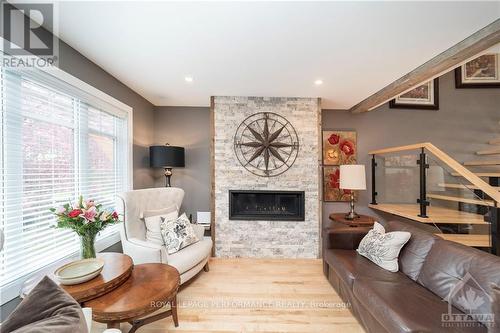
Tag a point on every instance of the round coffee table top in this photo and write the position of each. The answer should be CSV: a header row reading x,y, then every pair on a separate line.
x,y
145,291
117,268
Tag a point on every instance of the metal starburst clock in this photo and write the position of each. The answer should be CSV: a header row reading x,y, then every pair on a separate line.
x,y
266,144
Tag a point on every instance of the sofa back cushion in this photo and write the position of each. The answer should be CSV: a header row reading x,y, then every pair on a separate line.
x,y
413,254
463,276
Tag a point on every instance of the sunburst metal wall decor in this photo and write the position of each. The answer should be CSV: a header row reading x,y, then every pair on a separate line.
x,y
266,144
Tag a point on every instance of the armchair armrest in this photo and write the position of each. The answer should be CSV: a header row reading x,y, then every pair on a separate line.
x,y
344,238
199,230
142,251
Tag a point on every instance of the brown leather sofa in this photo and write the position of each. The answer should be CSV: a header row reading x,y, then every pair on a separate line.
x,y
412,300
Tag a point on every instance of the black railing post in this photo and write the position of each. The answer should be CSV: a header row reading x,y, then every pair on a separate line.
x,y
495,230
423,185
374,189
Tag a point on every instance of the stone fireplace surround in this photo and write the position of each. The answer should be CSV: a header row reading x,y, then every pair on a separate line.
x,y
266,238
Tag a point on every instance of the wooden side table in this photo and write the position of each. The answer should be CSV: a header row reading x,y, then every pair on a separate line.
x,y
117,269
149,288
362,221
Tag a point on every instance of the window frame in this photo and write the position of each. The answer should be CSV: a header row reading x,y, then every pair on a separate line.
x,y
114,107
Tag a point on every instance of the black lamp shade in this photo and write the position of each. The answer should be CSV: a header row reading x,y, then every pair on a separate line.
x,y
166,157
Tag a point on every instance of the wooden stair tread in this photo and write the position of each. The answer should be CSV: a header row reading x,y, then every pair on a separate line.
x,y
437,215
464,187
479,174
464,200
494,141
468,239
480,163
489,152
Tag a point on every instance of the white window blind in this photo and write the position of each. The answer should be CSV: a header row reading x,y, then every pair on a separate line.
x,y
57,143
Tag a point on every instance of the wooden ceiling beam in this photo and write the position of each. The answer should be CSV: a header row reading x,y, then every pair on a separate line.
x,y
445,61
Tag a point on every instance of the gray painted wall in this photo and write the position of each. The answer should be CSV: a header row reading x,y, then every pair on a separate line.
x,y
188,127
466,120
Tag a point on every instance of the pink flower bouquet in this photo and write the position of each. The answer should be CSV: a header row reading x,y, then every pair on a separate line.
x,y
87,219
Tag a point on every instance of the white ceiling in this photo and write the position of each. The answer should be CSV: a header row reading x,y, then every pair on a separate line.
x,y
266,48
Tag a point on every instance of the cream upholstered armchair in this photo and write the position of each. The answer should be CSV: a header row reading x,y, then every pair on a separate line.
x,y
188,261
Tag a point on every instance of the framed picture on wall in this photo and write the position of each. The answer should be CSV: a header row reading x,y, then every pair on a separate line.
x,y
339,147
331,189
424,97
482,72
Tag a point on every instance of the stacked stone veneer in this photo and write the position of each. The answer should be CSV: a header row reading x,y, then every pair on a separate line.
x,y
266,239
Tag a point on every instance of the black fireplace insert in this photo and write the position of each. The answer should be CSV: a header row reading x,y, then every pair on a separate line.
x,y
266,205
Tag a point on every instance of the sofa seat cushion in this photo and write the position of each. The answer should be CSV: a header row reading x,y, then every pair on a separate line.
x,y
349,266
405,307
191,255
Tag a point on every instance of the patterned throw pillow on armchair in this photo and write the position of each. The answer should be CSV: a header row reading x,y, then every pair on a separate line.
x,y
177,233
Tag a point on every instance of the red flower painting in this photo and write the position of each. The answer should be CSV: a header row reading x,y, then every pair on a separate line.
x,y
339,147
347,147
334,139
335,179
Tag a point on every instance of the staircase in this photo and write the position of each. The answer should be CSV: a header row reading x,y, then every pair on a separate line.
x,y
458,202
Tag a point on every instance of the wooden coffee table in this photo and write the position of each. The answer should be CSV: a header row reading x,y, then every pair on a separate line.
x,y
149,288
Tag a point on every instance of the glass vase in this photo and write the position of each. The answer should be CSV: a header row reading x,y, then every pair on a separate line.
x,y
87,245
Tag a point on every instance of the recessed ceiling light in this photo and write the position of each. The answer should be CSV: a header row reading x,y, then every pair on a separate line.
x,y
318,82
188,79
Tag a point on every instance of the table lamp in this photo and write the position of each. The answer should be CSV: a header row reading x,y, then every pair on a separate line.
x,y
352,177
166,157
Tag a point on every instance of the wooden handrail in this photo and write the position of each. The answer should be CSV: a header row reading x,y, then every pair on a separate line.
x,y
471,47
450,162
399,148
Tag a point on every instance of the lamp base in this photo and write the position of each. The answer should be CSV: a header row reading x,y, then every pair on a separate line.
x,y
352,214
168,175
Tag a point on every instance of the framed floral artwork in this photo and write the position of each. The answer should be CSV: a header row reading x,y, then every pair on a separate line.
x,y
425,97
482,72
339,147
331,182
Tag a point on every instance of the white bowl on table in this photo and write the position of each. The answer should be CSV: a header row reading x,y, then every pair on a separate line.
x,y
79,271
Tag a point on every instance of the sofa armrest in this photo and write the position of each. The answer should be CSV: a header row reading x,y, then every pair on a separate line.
x,y
344,238
143,252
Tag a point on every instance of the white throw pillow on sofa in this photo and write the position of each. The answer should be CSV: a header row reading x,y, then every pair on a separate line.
x,y
383,248
152,222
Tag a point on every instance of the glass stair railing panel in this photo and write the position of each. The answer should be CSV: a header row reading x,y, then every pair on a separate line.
x,y
397,180
459,210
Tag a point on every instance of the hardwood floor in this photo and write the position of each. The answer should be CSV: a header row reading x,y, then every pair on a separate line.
x,y
257,295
